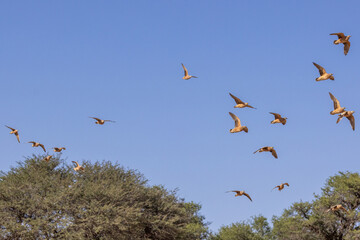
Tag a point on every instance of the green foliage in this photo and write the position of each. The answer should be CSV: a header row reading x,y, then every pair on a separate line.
x,y
256,229
48,200
306,220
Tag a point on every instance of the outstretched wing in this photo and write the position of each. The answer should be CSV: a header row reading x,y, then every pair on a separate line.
x,y
42,146
342,208
109,121
12,129
273,152
352,121
236,119
31,142
97,119
237,100
257,150
340,35
17,137
77,165
346,47
320,68
339,118
287,184
276,115
247,196
235,191
336,102
186,73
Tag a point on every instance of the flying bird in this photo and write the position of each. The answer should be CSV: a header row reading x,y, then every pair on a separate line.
x,y
14,131
337,108
186,73
78,167
349,115
239,103
56,149
267,149
238,127
47,158
323,74
281,186
337,208
278,119
100,121
240,193
344,40
36,144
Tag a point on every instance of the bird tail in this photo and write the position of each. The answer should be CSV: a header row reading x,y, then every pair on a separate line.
x,y
246,129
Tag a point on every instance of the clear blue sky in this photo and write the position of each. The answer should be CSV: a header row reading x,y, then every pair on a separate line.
x,y
63,61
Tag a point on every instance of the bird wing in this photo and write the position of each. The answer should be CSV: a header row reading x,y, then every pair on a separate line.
x,y
31,142
339,118
237,100
235,191
276,115
42,146
109,121
276,187
342,208
17,136
257,150
346,47
352,121
340,35
321,69
97,119
77,165
250,106
186,73
247,196
336,102
287,184
236,119
12,129
273,152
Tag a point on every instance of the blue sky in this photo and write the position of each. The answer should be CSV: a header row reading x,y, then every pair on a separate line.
x,y
63,61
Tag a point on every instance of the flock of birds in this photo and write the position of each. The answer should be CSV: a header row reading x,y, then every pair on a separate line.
x,y
279,119
238,127
77,166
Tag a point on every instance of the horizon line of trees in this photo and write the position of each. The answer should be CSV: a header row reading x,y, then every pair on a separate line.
x,y
49,200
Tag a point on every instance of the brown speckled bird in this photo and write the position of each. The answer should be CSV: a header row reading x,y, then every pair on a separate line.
x,y
238,127
239,103
344,40
47,158
240,193
100,121
78,167
349,115
36,144
186,73
278,119
15,132
323,74
56,149
337,208
267,149
337,108
281,186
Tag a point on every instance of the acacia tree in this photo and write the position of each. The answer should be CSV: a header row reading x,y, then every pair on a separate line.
x,y
48,200
306,220
256,229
